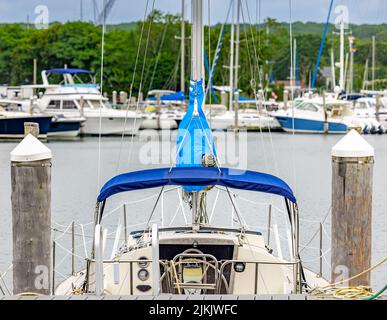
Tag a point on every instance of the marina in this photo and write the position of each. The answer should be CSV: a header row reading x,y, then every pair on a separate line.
x,y
228,186
70,205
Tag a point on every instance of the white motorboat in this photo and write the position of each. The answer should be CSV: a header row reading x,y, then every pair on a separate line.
x,y
163,110
382,112
60,126
71,99
365,109
162,118
316,116
249,119
12,124
198,257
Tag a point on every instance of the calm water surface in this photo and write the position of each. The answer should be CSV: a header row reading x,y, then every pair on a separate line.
x,y
301,160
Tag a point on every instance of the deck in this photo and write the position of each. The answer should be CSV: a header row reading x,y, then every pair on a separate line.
x,y
166,297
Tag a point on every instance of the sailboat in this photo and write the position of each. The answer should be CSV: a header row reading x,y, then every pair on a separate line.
x,y
163,110
254,118
196,258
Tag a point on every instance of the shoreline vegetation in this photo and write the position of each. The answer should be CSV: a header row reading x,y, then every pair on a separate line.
x,y
78,45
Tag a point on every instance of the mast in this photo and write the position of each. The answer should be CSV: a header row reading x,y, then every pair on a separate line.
x,y
236,91
350,85
197,40
291,51
182,44
373,61
231,59
333,69
346,70
197,75
295,62
365,77
342,53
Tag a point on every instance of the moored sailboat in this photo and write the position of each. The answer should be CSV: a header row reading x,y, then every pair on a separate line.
x,y
196,258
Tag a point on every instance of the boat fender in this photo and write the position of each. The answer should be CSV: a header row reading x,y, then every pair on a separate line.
x,y
270,250
374,130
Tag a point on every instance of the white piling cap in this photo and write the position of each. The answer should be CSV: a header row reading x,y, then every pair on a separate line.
x,y
353,145
30,149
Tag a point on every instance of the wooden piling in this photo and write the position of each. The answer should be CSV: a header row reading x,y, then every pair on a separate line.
x,y
140,97
261,97
223,98
352,175
133,101
35,75
114,98
123,97
31,128
377,106
82,104
286,98
31,216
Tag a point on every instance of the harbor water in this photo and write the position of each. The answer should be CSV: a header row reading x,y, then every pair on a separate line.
x,y
81,167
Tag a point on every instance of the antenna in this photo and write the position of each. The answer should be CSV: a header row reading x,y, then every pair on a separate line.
x,y
81,10
182,53
373,61
230,105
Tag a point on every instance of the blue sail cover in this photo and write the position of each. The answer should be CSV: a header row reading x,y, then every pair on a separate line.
x,y
194,137
177,96
199,177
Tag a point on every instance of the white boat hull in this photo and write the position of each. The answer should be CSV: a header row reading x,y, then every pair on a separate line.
x,y
253,123
164,124
106,125
64,134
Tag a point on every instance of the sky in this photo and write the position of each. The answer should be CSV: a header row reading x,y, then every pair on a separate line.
x,y
360,11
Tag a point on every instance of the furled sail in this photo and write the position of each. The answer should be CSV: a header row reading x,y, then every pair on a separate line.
x,y
195,143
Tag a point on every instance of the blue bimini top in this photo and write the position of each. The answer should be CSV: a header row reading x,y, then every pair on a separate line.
x,y
196,176
178,96
70,71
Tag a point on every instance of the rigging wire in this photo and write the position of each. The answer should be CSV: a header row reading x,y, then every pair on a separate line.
x,y
292,92
100,107
141,80
317,231
131,87
259,17
253,85
158,54
209,58
171,80
255,96
273,152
